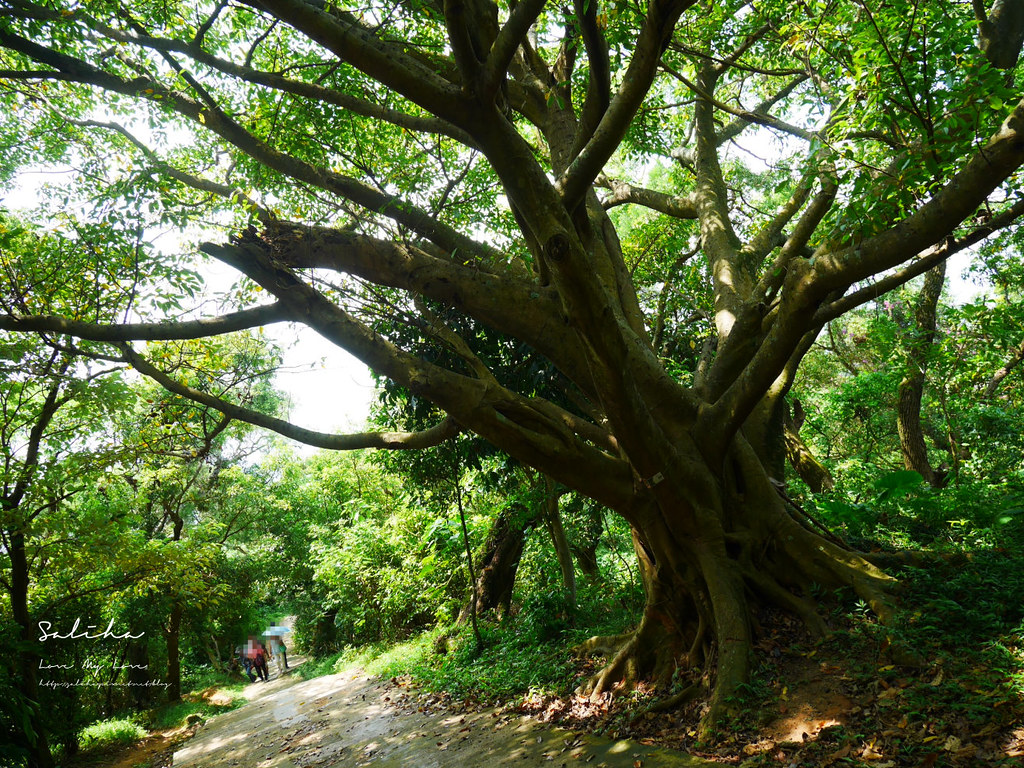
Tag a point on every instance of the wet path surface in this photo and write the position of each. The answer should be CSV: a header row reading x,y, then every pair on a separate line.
x,y
350,720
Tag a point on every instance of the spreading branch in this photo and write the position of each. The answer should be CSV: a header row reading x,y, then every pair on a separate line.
x,y
163,331
436,435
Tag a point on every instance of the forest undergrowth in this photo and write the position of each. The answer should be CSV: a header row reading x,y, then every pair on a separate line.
x,y
942,685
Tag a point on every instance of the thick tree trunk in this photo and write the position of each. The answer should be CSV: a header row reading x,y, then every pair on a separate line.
x,y
701,589
28,683
1001,32
911,389
173,653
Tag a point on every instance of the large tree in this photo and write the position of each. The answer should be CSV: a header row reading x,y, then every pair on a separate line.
x,y
463,165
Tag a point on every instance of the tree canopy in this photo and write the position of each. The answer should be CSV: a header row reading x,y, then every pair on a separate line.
x,y
602,237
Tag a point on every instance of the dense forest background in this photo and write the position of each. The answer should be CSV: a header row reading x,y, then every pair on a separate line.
x,y
674,388
178,524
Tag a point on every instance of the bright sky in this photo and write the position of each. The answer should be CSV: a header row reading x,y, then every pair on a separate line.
x,y
330,390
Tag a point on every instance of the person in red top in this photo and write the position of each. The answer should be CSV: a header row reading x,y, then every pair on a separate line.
x,y
257,655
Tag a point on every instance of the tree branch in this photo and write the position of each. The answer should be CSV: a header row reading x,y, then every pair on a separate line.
x,y
457,23
924,262
598,94
1015,359
658,26
481,295
808,283
507,42
344,35
278,82
219,122
932,221
746,116
195,182
447,429
185,329
623,193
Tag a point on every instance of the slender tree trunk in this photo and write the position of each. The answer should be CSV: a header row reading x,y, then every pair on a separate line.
x,y
553,520
173,653
499,562
469,562
28,684
213,654
800,456
586,560
589,519
138,671
911,389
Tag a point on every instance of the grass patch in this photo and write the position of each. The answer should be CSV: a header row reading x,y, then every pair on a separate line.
x,y
208,703
326,665
446,660
508,664
110,733
530,653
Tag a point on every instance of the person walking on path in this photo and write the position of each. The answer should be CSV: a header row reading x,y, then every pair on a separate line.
x,y
279,652
257,656
246,662
261,658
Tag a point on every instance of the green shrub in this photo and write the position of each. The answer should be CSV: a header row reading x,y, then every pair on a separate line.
x,y
106,733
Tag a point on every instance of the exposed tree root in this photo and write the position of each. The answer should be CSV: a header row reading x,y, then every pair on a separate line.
x,y
777,570
603,645
741,548
914,558
685,696
782,597
622,669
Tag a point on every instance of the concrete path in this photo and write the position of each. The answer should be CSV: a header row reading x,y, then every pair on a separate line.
x,y
348,720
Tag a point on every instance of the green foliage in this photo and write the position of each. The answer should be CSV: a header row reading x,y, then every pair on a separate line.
x,y
138,503
383,575
508,664
108,733
528,649
904,513
896,485
176,715
967,622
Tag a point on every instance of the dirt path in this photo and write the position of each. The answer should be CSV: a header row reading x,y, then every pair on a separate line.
x,y
350,720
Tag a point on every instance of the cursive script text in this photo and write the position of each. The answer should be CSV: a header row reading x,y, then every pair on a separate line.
x,y
75,634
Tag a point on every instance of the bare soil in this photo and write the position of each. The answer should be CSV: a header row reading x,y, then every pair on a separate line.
x,y
820,705
349,719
